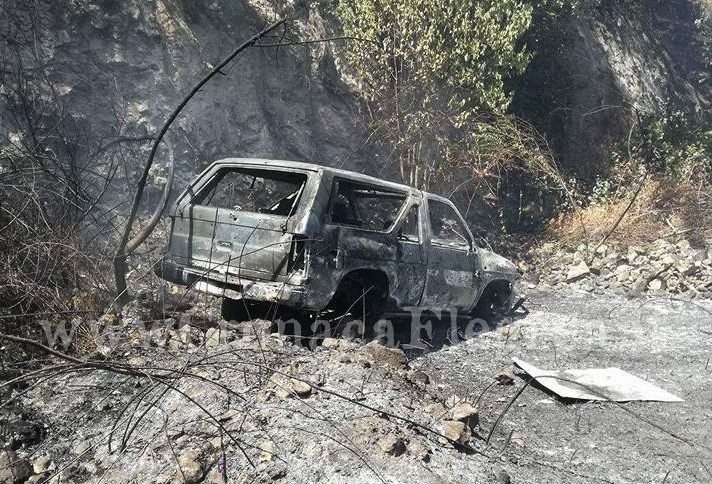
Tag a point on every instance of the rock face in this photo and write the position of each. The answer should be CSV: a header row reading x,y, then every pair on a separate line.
x,y
614,56
119,69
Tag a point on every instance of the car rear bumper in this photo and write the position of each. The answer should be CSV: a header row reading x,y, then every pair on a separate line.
x,y
292,295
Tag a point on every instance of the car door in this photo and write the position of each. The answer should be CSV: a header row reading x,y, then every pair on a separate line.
x,y
452,278
411,257
236,225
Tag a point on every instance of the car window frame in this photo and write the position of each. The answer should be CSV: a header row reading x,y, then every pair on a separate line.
x,y
431,236
332,199
402,219
214,177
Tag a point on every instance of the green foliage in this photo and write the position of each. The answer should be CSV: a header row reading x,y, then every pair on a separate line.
x,y
453,53
677,145
703,33
433,68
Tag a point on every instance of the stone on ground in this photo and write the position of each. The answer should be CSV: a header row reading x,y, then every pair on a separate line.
x,y
578,272
456,431
392,445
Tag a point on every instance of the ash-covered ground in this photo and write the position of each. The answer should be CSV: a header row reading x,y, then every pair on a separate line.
x,y
249,405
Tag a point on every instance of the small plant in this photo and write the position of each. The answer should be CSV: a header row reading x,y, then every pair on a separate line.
x,y
675,145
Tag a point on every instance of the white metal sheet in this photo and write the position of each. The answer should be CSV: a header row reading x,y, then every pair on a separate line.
x,y
607,384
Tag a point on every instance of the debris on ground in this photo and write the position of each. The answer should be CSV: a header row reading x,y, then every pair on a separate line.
x,y
602,384
659,267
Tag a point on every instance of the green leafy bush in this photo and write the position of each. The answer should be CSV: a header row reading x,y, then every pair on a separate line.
x,y
677,145
432,69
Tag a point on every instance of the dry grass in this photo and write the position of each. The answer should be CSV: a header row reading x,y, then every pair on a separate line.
x,y
663,209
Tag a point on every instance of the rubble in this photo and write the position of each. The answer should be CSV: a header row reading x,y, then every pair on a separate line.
x,y
660,267
259,387
286,427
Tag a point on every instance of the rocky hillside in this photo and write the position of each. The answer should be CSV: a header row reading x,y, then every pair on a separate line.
x,y
116,70
597,70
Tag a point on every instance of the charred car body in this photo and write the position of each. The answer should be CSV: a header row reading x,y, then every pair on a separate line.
x,y
310,238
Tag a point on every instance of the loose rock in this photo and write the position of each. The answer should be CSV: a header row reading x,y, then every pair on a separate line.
x,y
456,431
392,445
578,272
382,355
505,377
191,469
12,468
42,464
465,413
212,337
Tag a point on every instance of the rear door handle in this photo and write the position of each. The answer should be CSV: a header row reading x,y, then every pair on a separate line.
x,y
224,243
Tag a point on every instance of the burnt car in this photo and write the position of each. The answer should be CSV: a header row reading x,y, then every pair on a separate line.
x,y
273,233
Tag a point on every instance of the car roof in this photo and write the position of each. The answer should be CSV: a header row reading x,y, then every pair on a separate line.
x,y
299,165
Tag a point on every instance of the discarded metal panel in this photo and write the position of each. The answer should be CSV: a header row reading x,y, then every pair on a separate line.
x,y
606,384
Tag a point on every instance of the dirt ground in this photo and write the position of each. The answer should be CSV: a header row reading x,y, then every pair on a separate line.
x,y
665,341
366,413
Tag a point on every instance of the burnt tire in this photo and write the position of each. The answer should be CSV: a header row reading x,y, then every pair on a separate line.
x,y
495,301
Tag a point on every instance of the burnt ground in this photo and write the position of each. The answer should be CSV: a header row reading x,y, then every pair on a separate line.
x,y
293,433
665,341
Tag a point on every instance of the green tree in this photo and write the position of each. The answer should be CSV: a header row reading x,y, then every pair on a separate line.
x,y
434,71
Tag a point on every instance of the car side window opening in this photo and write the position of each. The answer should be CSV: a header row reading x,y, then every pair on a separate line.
x,y
365,206
410,230
260,191
446,226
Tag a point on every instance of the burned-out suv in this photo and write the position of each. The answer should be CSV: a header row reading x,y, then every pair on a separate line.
x,y
314,238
